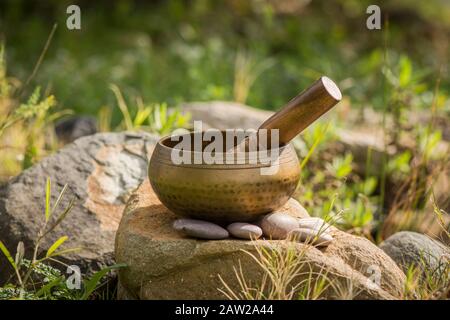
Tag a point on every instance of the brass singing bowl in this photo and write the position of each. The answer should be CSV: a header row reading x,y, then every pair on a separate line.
x,y
240,192
222,192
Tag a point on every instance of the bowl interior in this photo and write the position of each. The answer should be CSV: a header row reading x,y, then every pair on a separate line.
x,y
226,140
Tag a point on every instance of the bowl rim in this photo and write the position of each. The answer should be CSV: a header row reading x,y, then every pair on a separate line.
x,y
248,160
167,148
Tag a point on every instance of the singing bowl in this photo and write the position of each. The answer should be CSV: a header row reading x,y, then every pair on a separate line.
x,y
222,192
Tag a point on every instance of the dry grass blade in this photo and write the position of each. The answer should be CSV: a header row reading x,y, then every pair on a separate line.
x,y
122,106
58,200
283,277
60,218
439,213
20,253
56,245
42,55
246,71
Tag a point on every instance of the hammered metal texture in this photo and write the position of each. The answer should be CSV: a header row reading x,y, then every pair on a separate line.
x,y
222,192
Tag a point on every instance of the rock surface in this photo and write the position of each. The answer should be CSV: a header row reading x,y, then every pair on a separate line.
x,y
68,130
244,230
101,170
311,236
200,229
164,265
411,248
226,115
314,223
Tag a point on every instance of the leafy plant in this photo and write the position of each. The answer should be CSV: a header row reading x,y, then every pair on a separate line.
x,y
428,283
340,167
10,114
155,118
26,128
36,278
399,164
428,141
27,110
439,214
333,190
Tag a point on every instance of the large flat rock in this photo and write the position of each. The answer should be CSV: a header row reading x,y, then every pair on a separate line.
x,y
161,264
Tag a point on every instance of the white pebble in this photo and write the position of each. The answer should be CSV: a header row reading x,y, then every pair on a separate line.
x,y
244,230
314,223
311,236
200,229
278,225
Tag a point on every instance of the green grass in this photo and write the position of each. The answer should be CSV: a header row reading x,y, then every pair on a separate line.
x,y
36,278
129,65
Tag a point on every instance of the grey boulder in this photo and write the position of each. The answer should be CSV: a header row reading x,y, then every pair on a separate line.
x,y
408,248
101,170
68,130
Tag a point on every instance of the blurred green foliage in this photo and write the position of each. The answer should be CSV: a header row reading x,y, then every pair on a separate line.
x,y
257,52
189,50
